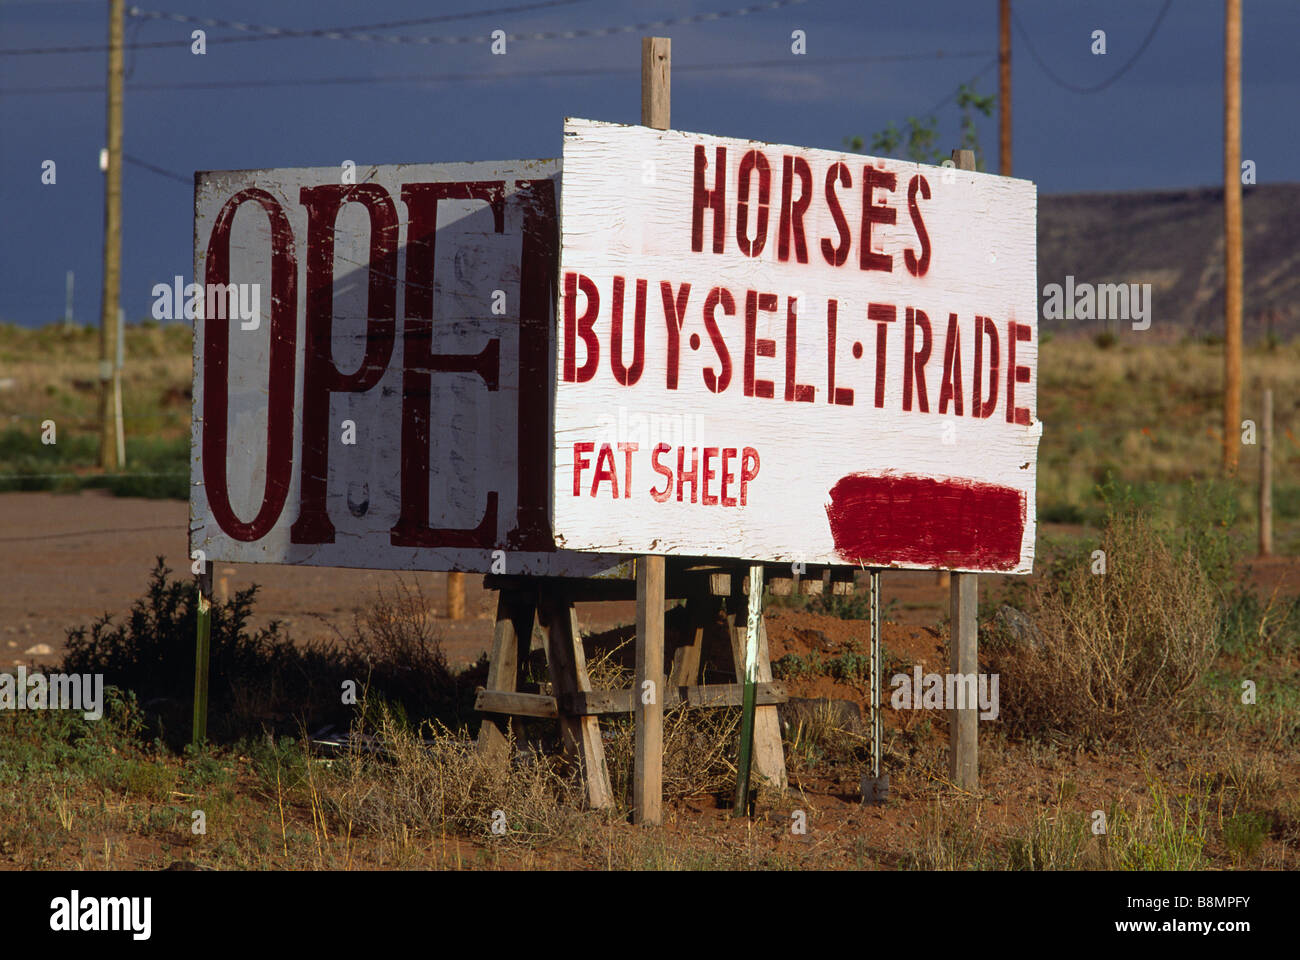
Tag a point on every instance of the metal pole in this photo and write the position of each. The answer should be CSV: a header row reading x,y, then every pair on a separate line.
x,y
875,785
201,655
875,674
751,677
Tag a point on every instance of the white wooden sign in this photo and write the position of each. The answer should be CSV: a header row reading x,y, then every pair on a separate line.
x,y
372,351
780,354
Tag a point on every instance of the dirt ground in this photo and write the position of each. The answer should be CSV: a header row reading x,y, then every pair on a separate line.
x,y
66,559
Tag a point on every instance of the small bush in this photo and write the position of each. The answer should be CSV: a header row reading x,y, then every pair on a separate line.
x,y
260,679
1253,627
1118,653
1060,513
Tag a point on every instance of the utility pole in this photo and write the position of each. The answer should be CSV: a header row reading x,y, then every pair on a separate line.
x,y
67,301
112,237
1231,233
1004,87
1266,477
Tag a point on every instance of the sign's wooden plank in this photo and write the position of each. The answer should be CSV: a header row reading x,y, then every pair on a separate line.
x,y
376,391
516,704
768,693
791,355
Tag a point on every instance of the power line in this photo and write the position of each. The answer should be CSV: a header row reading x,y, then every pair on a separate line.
x,y
953,96
288,34
786,63
188,181
273,33
474,37
293,34
1095,88
259,32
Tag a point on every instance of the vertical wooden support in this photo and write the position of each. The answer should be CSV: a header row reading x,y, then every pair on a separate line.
x,y
1232,263
769,756
112,286
568,665
656,81
686,658
511,641
963,590
963,644
1266,477
455,595
1004,87
648,692
119,429
203,634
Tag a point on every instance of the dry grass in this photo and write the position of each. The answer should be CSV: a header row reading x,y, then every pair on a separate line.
x,y
55,374
1119,652
433,781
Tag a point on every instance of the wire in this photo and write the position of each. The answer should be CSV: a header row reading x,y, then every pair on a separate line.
x,y
258,32
290,34
275,33
188,181
1097,87
953,96
474,37
784,63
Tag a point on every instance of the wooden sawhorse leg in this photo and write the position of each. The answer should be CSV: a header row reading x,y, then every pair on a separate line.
x,y
568,667
511,641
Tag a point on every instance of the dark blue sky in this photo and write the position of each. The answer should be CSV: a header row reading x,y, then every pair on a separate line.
x,y
1158,126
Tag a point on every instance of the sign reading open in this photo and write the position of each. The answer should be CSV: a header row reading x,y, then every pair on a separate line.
x,y
372,367
780,354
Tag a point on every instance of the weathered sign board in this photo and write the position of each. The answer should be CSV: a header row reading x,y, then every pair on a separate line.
x,y
387,402
780,354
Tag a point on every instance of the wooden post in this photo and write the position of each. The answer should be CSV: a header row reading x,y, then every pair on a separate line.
x,y
648,762
199,731
963,726
1266,477
511,641
963,643
656,86
648,773
1004,87
568,666
119,428
1232,266
700,612
455,595
112,235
